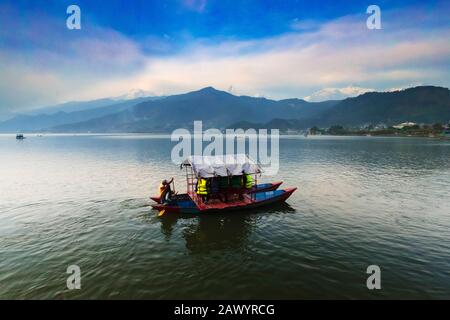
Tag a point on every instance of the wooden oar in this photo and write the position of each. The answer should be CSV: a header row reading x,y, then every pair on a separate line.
x,y
161,212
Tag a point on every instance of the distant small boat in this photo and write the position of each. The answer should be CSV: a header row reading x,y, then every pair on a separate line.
x,y
20,136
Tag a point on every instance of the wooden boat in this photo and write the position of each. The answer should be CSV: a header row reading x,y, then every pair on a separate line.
x,y
270,186
185,203
236,198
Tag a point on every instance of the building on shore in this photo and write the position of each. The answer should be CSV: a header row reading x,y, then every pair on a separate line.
x,y
404,124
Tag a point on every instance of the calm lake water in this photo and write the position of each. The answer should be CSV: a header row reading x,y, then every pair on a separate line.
x,y
361,200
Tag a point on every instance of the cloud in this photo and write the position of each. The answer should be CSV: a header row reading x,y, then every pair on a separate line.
x,y
99,62
296,64
195,5
44,63
136,93
304,24
337,93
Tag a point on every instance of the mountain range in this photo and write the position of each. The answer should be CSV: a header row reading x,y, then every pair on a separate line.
x,y
219,109
44,119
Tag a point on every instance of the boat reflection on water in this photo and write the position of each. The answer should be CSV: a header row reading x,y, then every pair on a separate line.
x,y
218,231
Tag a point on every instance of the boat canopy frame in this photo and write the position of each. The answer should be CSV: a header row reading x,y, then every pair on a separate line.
x,y
217,166
221,165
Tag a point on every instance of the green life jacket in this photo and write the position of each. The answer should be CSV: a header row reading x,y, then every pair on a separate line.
x,y
248,181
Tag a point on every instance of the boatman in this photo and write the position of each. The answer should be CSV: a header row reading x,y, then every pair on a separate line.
x,y
165,191
202,189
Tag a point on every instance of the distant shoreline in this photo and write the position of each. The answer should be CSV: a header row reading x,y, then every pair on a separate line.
x,y
282,134
385,136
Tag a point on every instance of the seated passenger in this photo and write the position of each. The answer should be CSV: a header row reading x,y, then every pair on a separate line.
x,y
236,185
248,181
223,188
236,182
202,189
214,185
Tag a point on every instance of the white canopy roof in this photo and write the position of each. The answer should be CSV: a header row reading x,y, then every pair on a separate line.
x,y
222,165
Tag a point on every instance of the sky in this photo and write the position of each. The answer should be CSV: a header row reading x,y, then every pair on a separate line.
x,y
316,50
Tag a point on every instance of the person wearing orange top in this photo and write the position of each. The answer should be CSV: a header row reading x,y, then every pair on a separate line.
x,y
165,191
